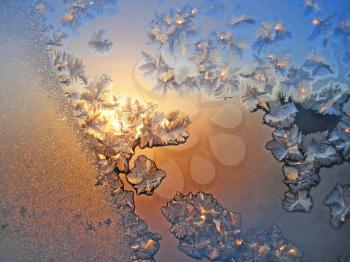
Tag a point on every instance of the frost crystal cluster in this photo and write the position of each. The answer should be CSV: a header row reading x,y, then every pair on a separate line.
x,y
205,229
114,126
289,95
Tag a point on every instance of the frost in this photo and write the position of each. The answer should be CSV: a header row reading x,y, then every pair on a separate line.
x,y
319,150
169,30
145,176
241,20
322,27
225,40
295,84
298,201
286,144
263,245
253,98
70,68
338,201
268,34
153,66
328,100
280,116
56,39
317,64
300,177
340,137
311,6
143,243
205,229
99,43
42,7
78,10
280,63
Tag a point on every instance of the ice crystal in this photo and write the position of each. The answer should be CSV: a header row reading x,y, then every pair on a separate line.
x,y
328,100
285,144
288,94
143,243
338,201
70,68
100,44
298,201
280,116
296,84
254,98
241,20
319,150
263,245
78,10
42,7
340,137
145,176
301,176
317,64
322,27
225,40
311,6
268,34
169,30
56,39
280,63
205,229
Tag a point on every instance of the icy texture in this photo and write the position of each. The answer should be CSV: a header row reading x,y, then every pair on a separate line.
x,y
285,144
268,34
78,10
169,29
338,201
99,43
242,20
114,126
205,229
283,90
145,177
280,116
322,28
317,64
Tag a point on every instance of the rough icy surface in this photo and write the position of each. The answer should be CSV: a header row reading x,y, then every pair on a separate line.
x,y
113,126
205,229
338,201
294,98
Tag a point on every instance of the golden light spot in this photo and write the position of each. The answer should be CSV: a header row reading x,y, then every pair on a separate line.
x,y
324,107
279,27
238,242
281,248
68,17
292,251
149,245
180,21
316,21
194,11
262,250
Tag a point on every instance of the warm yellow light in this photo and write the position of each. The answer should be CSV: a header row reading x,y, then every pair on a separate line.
x,y
279,27
180,21
316,21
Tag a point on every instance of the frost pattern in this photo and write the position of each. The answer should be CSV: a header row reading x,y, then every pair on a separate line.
x,y
338,201
281,89
205,229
